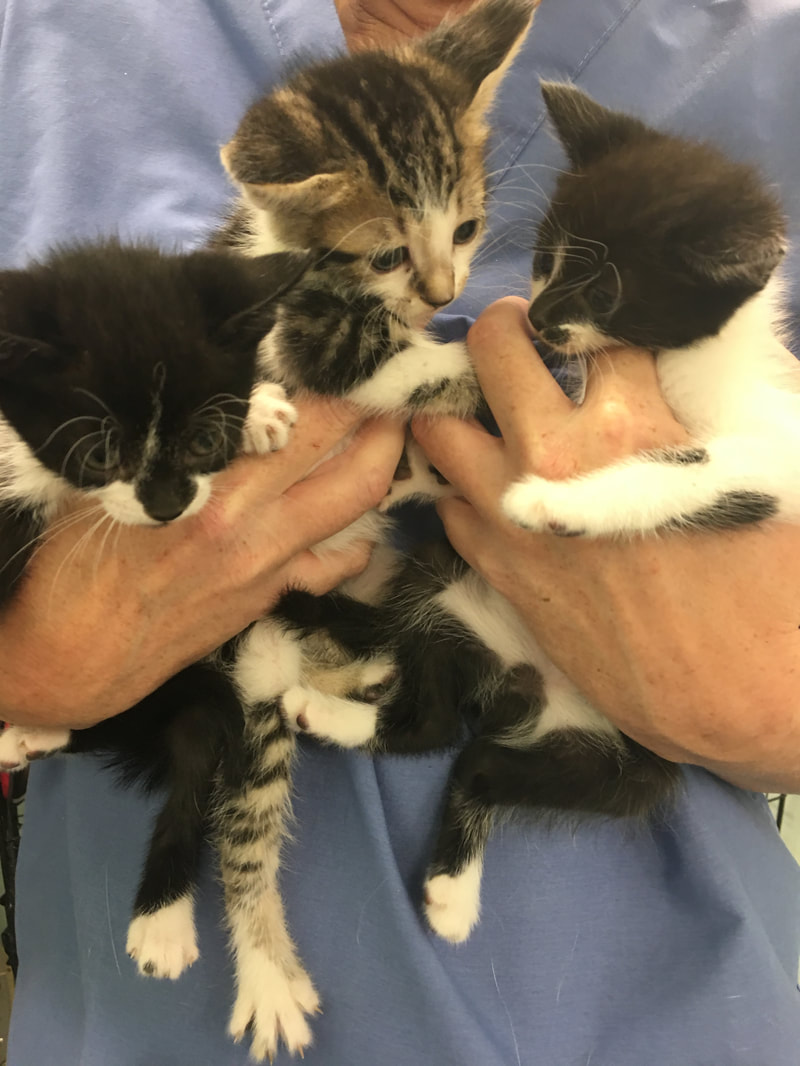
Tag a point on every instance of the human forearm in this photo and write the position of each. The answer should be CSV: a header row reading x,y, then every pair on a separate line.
x,y
93,629
689,643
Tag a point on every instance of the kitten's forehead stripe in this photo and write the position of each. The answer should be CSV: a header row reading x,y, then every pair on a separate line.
x,y
401,129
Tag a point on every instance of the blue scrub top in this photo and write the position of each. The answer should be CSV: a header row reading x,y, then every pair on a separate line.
x,y
676,945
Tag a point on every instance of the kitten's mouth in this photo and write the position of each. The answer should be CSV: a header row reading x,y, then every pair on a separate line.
x,y
421,319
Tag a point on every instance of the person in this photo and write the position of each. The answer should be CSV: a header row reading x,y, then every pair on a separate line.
x,y
605,945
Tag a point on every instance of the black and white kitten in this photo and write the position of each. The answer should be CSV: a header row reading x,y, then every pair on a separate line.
x,y
650,240
677,258
128,379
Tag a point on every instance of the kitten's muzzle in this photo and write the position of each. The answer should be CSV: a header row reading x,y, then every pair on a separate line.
x,y
164,501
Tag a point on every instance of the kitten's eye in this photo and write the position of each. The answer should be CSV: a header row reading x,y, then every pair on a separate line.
x,y
102,457
386,262
465,232
206,441
545,261
600,300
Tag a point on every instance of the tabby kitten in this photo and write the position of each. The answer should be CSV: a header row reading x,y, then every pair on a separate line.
x,y
375,161
650,240
128,379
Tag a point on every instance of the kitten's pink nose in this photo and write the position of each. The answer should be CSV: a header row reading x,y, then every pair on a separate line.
x,y
438,295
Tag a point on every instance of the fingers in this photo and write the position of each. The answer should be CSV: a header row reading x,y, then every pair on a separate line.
x,y
322,424
344,487
470,458
321,573
518,386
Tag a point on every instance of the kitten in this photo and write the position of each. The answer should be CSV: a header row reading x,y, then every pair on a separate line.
x,y
374,161
128,379
677,260
650,240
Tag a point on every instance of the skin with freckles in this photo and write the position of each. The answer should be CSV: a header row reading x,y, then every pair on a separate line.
x,y
161,598
689,643
378,23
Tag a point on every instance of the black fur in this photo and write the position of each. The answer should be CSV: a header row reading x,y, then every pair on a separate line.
x,y
98,331
673,224
446,677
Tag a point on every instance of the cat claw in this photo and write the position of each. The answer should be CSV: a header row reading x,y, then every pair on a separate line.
x,y
270,418
271,1008
163,944
20,746
541,507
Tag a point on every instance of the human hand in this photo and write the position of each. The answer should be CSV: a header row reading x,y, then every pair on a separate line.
x,y
688,643
98,623
383,23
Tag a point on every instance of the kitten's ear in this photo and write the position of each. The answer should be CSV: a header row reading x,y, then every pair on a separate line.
x,y
481,44
275,275
26,356
316,193
586,129
26,300
748,262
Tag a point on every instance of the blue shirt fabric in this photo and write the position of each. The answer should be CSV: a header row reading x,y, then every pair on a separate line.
x,y
606,946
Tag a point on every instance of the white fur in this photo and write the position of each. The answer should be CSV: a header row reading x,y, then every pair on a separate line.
x,y
348,723
268,662
422,363
453,903
164,943
271,1002
20,744
421,484
119,499
24,477
270,418
495,622
739,398
371,527
369,586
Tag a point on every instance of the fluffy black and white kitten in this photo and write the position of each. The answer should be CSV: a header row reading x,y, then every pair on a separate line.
x,y
677,257
651,240
128,379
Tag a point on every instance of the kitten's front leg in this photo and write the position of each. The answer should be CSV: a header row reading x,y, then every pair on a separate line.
x,y
270,418
423,376
20,745
729,482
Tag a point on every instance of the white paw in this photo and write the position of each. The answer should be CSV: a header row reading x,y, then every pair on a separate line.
x,y
19,746
270,418
164,943
453,903
348,723
272,1006
539,505
415,478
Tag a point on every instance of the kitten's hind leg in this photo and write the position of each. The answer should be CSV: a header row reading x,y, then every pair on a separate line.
x,y
208,727
274,994
20,745
453,884
567,771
